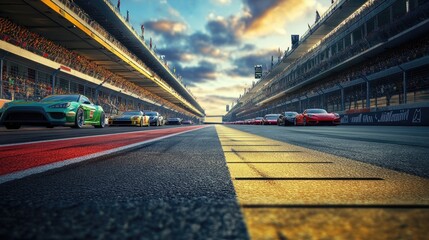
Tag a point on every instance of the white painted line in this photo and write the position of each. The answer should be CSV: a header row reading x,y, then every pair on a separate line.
x,y
25,173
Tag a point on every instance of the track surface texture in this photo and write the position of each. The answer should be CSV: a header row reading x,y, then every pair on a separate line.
x,y
229,182
176,188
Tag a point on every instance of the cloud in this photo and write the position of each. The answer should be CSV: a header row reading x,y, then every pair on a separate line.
x,y
248,47
257,19
205,71
168,29
200,44
222,32
271,16
215,104
222,98
176,55
244,66
222,2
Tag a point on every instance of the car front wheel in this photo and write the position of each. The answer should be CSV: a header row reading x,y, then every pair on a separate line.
x,y
102,123
80,118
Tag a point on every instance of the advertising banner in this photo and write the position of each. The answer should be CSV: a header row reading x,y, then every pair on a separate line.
x,y
402,117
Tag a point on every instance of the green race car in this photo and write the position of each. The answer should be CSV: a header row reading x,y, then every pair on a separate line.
x,y
55,110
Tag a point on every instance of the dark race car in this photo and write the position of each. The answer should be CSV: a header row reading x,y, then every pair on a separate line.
x,y
130,118
290,118
56,110
155,118
173,121
188,122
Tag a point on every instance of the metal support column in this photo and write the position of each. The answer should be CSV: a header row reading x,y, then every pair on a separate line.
x,y
342,96
404,82
322,97
96,90
404,85
1,76
54,78
308,101
368,101
368,104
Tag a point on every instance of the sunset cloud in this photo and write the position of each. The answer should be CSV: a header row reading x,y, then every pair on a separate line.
x,y
268,17
167,28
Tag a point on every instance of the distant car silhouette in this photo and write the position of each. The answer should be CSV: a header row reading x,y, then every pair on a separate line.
x,y
173,121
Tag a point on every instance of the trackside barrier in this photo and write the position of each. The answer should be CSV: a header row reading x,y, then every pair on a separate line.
x,y
400,117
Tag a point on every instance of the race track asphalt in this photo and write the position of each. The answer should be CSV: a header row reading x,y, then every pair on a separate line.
x,y
181,187
177,188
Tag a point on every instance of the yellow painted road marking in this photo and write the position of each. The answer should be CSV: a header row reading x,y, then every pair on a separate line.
x,y
291,192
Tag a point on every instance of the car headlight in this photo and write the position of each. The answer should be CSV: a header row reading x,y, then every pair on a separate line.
x,y
60,105
336,115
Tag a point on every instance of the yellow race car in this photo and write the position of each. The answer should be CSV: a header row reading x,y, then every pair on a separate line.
x,y
130,118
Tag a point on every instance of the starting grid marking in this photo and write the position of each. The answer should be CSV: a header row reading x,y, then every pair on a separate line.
x,y
296,198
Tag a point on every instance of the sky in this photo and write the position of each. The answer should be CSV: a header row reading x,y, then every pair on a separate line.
x,y
214,44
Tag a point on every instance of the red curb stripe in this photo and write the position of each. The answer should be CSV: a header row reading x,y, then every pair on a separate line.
x,y
26,156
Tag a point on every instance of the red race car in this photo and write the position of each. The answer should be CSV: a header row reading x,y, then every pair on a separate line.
x,y
271,119
318,116
259,121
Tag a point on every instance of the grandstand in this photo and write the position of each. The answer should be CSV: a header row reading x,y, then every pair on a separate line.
x,y
57,47
374,60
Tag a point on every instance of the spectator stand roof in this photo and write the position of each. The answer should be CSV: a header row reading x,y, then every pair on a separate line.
x,y
108,16
42,19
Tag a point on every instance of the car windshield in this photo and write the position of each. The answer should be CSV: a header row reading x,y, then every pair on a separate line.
x,y
259,118
131,113
316,111
61,98
150,113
